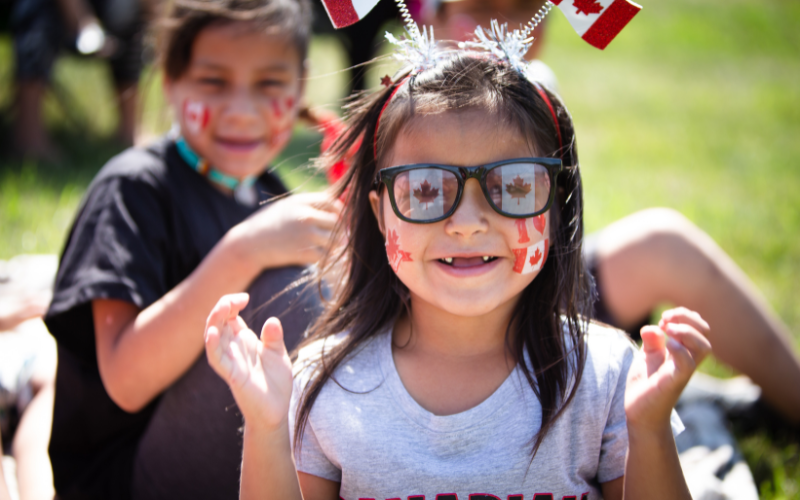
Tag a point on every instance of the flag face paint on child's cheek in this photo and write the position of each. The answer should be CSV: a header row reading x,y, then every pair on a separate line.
x,y
523,230
195,116
531,258
539,222
393,251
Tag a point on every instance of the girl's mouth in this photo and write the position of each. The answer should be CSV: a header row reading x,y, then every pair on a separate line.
x,y
461,262
239,145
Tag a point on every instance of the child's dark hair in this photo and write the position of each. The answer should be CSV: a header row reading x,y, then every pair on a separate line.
x,y
185,19
548,323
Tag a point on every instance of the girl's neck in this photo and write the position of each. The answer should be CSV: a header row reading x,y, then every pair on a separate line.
x,y
432,330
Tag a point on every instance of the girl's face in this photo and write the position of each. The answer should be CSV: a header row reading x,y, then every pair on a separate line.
x,y
238,99
444,263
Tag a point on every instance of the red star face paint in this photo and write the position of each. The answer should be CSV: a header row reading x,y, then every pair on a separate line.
x,y
393,251
195,116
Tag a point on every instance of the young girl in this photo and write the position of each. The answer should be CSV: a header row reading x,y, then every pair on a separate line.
x,y
162,232
455,361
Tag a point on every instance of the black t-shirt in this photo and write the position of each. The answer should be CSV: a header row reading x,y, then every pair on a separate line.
x,y
146,223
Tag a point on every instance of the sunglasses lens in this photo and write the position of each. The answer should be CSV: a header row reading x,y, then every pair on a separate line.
x,y
519,188
425,193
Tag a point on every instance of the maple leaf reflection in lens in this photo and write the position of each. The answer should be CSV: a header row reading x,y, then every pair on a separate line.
x,y
518,189
426,194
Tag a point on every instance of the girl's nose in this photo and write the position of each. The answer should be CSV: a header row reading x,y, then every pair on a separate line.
x,y
470,216
241,108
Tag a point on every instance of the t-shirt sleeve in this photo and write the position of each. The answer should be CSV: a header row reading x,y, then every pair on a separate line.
x,y
310,457
614,445
117,246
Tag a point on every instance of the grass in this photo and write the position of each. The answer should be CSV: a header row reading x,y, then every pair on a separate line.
x,y
695,106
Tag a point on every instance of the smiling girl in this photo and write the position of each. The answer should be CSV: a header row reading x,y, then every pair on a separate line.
x,y
456,360
162,232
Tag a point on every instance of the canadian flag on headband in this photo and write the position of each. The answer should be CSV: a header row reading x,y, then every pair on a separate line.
x,y
598,21
346,12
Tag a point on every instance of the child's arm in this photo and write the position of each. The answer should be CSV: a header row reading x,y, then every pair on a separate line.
x,y
259,374
655,382
142,352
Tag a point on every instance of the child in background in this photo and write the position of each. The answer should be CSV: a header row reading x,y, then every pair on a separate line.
x,y
455,360
164,230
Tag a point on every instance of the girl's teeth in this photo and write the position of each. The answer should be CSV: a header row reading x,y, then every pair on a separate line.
x,y
486,258
449,260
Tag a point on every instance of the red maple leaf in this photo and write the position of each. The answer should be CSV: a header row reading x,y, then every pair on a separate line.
x,y
539,222
426,194
587,7
537,255
518,188
391,245
386,81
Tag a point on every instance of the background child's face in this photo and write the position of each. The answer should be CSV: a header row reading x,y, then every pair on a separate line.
x,y
418,253
238,99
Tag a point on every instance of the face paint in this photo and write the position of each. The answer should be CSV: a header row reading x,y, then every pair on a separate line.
x,y
277,108
195,116
531,259
539,222
523,230
394,253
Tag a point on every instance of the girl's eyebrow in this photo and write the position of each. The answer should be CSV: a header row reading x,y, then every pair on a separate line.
x,y
273,67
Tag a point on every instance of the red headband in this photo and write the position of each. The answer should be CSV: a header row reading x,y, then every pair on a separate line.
x,y
378,122
552,113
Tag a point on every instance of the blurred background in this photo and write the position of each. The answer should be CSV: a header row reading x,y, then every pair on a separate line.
x,y
695,106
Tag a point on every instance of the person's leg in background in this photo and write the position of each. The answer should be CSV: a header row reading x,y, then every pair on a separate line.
x,y
125,21
658,256
37,32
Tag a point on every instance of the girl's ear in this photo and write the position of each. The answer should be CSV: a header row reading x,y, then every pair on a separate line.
x,y
377,209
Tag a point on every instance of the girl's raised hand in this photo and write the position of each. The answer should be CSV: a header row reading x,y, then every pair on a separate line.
x,y
258,372
664,366
293,231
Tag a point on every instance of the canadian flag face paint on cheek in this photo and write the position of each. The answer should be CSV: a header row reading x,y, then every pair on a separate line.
x,y
195,116
531,258
394,253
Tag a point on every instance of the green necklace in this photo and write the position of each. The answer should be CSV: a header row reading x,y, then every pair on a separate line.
x,y
243,189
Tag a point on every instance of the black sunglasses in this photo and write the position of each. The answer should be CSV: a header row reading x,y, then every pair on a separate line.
x,y
425,193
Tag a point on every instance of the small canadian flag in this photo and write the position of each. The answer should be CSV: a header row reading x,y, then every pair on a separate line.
x,y
531,259
343,13
598,21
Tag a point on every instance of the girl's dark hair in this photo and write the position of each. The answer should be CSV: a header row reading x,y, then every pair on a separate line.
x,y
185,19
545,334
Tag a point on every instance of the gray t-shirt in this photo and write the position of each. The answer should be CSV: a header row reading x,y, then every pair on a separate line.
x,y
368,433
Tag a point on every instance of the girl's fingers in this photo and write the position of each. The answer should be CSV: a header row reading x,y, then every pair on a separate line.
x,y
699,346
272,335
682,360
216,353
653,347
687,316
227,308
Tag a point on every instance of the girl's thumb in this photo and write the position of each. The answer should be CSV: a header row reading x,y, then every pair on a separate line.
x,y
272,334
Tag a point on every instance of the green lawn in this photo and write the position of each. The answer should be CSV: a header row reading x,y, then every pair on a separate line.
x,y
695,106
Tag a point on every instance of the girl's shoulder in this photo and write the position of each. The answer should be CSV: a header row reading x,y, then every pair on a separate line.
x,y
609,354
359,370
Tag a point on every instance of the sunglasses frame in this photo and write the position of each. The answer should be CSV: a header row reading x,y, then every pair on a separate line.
x,y
387,175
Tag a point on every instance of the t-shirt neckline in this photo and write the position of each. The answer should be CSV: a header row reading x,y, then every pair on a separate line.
x,y
503,395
